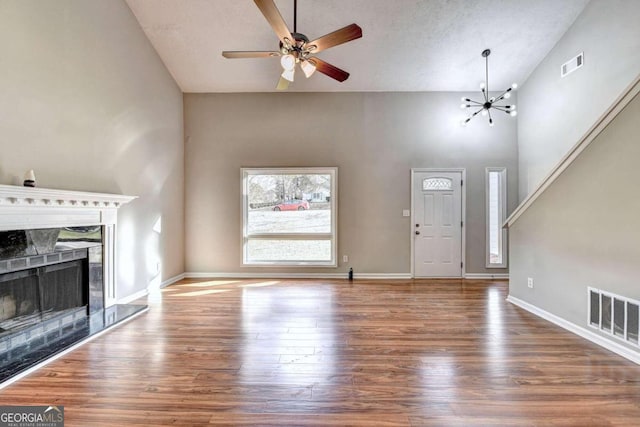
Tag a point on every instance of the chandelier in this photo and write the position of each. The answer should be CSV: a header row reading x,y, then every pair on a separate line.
x,y
484,107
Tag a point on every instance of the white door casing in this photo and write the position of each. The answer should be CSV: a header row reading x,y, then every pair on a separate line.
x,y
437,223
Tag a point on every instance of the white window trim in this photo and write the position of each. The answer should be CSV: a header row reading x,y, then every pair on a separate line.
x,y
333,235
503,216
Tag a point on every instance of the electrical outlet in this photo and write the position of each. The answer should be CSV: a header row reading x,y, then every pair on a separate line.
x,y
406,212
530,282
345,258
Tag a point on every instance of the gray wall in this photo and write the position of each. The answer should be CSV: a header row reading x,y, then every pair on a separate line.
x,y
584,230
373,138
88,104
554,112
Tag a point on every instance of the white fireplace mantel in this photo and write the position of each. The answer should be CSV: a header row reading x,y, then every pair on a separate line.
x,y
28,208
33,207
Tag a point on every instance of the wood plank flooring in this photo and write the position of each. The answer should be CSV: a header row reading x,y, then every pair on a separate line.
x,y
335,353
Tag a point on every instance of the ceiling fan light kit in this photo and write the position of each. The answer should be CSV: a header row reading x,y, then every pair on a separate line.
x,y
295,48
485,106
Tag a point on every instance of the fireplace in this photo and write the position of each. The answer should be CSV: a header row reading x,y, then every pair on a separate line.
x,y
57,273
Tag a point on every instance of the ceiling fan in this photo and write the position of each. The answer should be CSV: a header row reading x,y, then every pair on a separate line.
x,y
295,48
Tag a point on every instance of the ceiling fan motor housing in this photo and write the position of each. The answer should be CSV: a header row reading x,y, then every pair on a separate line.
x,y
298,48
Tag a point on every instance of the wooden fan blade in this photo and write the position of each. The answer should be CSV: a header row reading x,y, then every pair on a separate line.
x,y
283,84
272,14
343,35
233,54
329,70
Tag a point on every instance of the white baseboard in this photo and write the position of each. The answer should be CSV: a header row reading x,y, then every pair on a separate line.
x,y
133,297
383,276
172,280
619,349
368,276
372,276
486,276
145,292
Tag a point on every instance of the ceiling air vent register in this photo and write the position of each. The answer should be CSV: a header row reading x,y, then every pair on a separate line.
x,y
571,65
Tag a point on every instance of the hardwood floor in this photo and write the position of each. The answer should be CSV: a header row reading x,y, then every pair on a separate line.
x,y
334,353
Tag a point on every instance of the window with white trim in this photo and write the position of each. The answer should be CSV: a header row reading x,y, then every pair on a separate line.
x,y
496,209
289,216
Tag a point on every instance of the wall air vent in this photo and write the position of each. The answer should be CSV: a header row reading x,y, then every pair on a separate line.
x,y
571,65
615,315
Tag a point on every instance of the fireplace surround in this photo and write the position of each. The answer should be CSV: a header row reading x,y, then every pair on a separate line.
x,y
57,273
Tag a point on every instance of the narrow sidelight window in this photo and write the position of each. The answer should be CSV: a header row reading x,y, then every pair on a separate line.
x,y
289,217
496,210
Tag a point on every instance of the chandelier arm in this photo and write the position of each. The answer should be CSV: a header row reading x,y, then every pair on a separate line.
x,y
500,108
475,102
472,116
490,118
484,94
501,96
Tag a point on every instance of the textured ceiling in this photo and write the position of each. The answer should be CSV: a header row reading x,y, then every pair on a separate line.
x,y
407,45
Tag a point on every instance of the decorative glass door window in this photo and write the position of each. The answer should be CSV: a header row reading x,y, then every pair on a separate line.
x,y
436,184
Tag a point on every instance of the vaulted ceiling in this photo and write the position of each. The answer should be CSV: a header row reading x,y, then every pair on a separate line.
x,y
407,45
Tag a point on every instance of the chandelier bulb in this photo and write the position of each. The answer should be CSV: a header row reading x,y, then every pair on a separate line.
x,y
492,99
507,95
463,106
482,86
491,122
463,99
513,113
484,112
514,86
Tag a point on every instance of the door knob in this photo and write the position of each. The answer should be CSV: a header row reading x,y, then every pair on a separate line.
x,y
417,232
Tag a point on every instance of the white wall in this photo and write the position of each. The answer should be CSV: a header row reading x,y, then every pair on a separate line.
x,y
373,138
554,112
87,103
583,230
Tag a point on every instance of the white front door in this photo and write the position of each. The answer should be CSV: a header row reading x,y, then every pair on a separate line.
x,y
437,223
